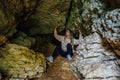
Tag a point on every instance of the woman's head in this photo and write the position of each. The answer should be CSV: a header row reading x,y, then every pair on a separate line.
x,y
68,33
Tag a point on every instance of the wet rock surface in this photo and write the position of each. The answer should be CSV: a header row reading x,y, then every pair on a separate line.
x,y
18,62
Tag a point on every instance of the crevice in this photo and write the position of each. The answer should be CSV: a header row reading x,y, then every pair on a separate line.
x,y
68,14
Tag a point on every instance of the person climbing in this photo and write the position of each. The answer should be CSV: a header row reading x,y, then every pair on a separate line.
x,y
67,43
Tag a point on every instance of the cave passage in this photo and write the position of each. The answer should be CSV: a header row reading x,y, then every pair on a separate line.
x,y
27,39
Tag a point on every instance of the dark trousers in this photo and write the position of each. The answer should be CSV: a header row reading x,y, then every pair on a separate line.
x,y
63,53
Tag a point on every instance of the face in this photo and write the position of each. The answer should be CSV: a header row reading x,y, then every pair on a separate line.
x,y
68,33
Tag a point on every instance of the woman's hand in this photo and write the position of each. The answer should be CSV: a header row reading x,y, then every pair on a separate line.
x,y
76,24
57,26
78,27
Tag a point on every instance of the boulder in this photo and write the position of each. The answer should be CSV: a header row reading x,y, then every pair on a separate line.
x,y
18,62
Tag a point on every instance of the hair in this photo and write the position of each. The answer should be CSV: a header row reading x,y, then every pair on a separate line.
x,y
71,36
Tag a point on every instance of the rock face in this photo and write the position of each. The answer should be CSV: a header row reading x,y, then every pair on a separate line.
x,y
97,54
108,26
15,13
48,14
87,13
18,62
94,61
83,12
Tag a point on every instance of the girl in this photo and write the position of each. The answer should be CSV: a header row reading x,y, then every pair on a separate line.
x,y
67,41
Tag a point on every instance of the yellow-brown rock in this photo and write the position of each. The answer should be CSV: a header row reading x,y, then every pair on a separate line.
x,y
20,62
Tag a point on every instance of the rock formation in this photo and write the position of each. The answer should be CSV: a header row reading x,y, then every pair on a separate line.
x,y
98,53
95,60
26,37
48,14
59,70
18,62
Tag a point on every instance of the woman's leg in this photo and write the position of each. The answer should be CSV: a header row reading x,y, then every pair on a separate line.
x,y
68,53
69,50
51,58
56,50
60,51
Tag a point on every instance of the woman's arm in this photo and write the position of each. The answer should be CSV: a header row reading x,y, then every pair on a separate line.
x,y
78,41
58,37
80,36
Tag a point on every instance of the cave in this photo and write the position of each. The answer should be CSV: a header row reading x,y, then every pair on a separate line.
x,y
27,39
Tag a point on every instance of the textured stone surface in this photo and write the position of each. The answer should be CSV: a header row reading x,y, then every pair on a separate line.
x,y
15,13
84,12
94,61
48,14
96,57
18,62
59,70
108,26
